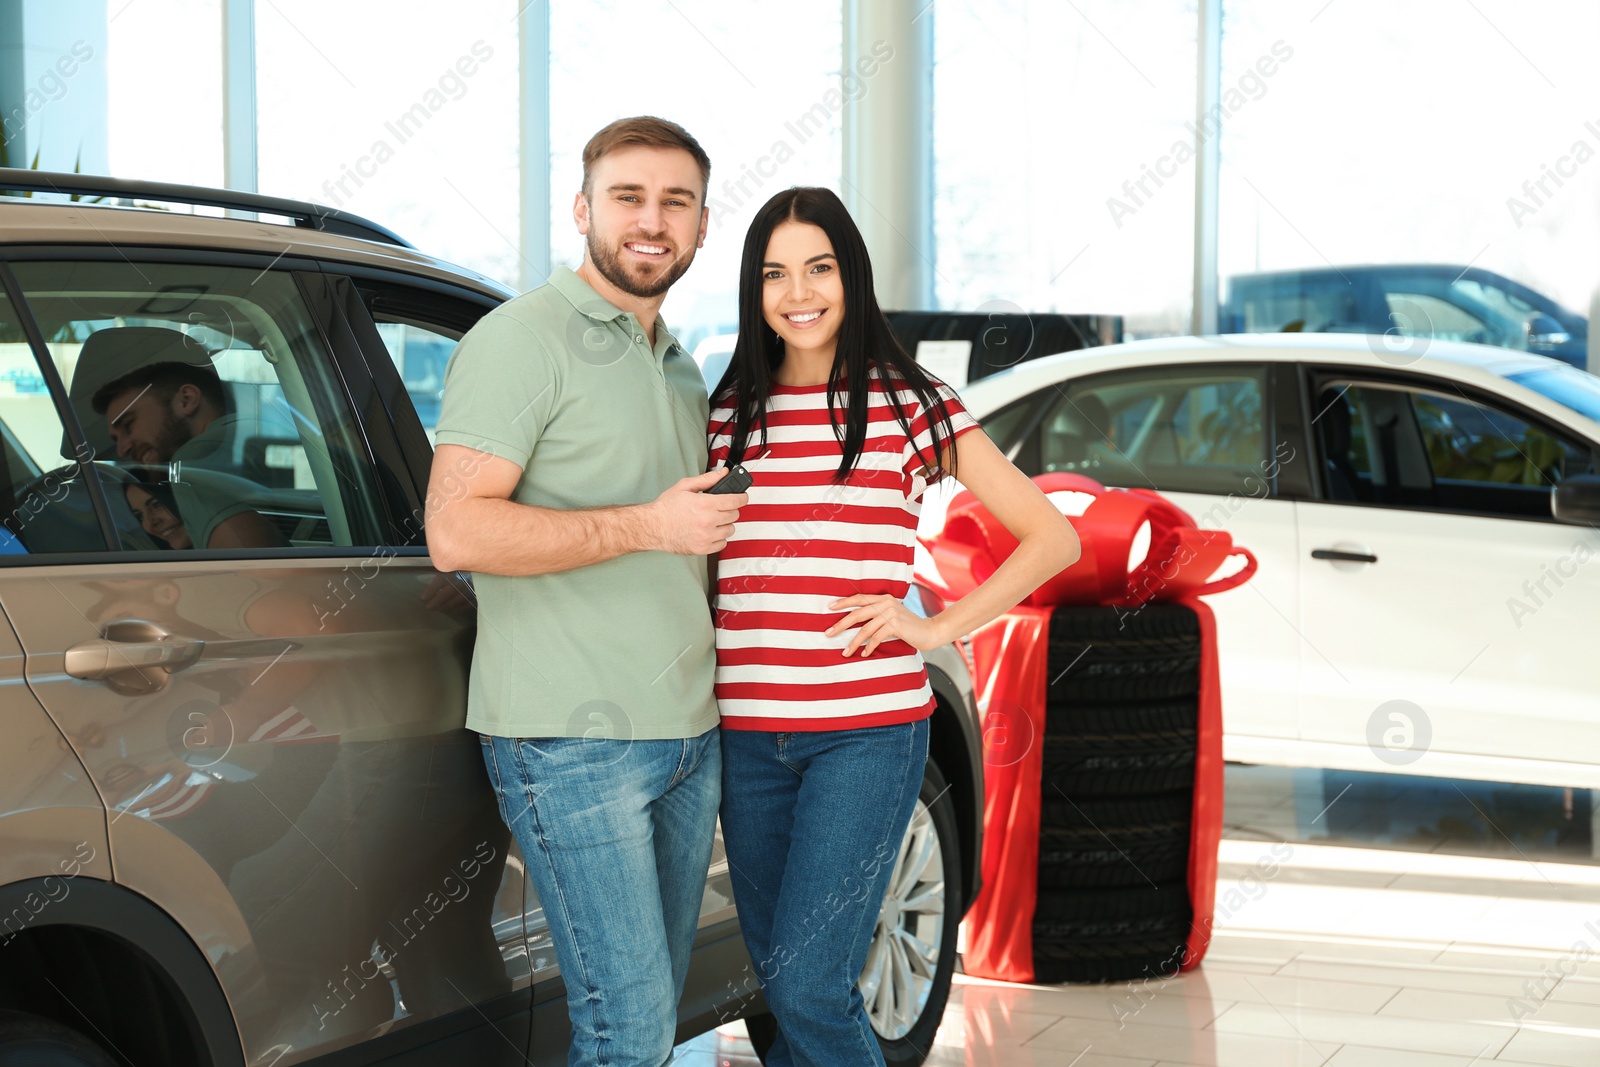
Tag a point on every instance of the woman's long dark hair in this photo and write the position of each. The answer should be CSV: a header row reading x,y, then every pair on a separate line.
x,y
867,348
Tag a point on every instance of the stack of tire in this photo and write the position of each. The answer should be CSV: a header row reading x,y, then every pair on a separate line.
x,y
1117,793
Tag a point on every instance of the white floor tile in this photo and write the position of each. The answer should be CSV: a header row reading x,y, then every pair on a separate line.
x,y
1206,1048
1555,1047
1412,976
1361,1056
1476,1008
1338,1028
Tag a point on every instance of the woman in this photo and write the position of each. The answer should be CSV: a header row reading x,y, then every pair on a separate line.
x,y
155,509
824,697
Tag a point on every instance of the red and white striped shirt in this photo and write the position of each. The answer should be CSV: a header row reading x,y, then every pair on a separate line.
x,y
803,541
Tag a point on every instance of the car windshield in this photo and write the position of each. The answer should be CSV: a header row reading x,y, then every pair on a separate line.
x,y
1578,390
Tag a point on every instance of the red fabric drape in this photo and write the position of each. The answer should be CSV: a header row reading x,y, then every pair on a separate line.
x,y
1009,658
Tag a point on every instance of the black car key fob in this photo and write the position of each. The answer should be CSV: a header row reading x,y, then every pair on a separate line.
x,y
737,480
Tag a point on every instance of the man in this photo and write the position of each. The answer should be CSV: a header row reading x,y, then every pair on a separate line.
x,y
175,411
569,478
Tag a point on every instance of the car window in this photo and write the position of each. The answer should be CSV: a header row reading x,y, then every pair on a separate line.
x,y
420,355
420,328
1167,428
1297,302
1387,444
1423,315
210,403
45,502
1468,442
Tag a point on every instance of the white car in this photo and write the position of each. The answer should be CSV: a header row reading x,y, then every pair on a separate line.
x,y
1425,601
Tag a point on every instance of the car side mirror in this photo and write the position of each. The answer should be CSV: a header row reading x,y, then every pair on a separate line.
x,y
1577,500
1543,331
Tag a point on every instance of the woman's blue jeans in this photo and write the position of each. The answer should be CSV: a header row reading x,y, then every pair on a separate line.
x,y
617,837
812,823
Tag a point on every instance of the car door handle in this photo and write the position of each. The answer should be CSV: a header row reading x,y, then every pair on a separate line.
x,y
1347,557
129,645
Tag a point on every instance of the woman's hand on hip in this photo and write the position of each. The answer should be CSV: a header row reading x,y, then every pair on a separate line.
x,y
883,618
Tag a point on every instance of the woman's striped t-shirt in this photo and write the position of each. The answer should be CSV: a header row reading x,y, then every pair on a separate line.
x,y
804,540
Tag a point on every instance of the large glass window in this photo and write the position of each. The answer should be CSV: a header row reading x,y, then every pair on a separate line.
x,y
761,96
417,130
1420,169
1064,158
164,107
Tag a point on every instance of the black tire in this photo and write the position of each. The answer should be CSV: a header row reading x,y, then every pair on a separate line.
x,y
1110,935
1098,843
34,1041
912,1048
1120,723
1104,655
1155,764
1117,812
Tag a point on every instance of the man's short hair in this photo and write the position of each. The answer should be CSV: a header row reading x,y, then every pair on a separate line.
x,y
164,380
649,132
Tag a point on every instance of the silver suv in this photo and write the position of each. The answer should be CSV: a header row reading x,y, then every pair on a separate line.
x,y
240,819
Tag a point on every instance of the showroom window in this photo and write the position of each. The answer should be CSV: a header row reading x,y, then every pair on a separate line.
x,y
427,146
767,112
1380,176
1076,194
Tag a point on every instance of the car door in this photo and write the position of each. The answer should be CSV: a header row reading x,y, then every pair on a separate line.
x,y
275,725
1210,438
414,330
1448,618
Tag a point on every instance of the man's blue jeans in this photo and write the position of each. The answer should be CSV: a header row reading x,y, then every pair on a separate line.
x,y
617,839
813,823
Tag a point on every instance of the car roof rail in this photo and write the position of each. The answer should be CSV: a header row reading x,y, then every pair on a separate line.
x,y
304,214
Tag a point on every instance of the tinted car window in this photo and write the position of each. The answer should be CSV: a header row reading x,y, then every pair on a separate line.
x,y
1169,428
210,402
45,504
1419,448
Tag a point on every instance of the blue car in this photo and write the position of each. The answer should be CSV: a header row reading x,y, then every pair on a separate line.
x,y
1435,300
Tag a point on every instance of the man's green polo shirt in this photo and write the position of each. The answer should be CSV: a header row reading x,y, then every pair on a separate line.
x,y
569,388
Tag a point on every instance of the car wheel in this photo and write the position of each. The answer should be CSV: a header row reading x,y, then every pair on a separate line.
x,y
34,1041
912,959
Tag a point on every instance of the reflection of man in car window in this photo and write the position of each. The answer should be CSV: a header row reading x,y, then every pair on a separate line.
x,y
167,412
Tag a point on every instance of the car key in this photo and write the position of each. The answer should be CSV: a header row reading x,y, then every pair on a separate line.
x,y
737,480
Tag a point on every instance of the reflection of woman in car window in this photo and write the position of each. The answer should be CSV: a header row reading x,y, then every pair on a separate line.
x,y
156,510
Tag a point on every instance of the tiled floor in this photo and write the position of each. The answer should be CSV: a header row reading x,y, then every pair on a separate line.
x,y
1345,956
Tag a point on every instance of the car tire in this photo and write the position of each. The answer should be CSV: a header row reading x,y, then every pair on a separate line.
x,y
33,1041
1103,655
1120,724
1154,764
931,841
1110,935
1092,843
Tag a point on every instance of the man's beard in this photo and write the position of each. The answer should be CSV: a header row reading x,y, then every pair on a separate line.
x,y
608,261
175,433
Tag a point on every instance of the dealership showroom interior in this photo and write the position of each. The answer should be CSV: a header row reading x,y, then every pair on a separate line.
x,y
445,449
